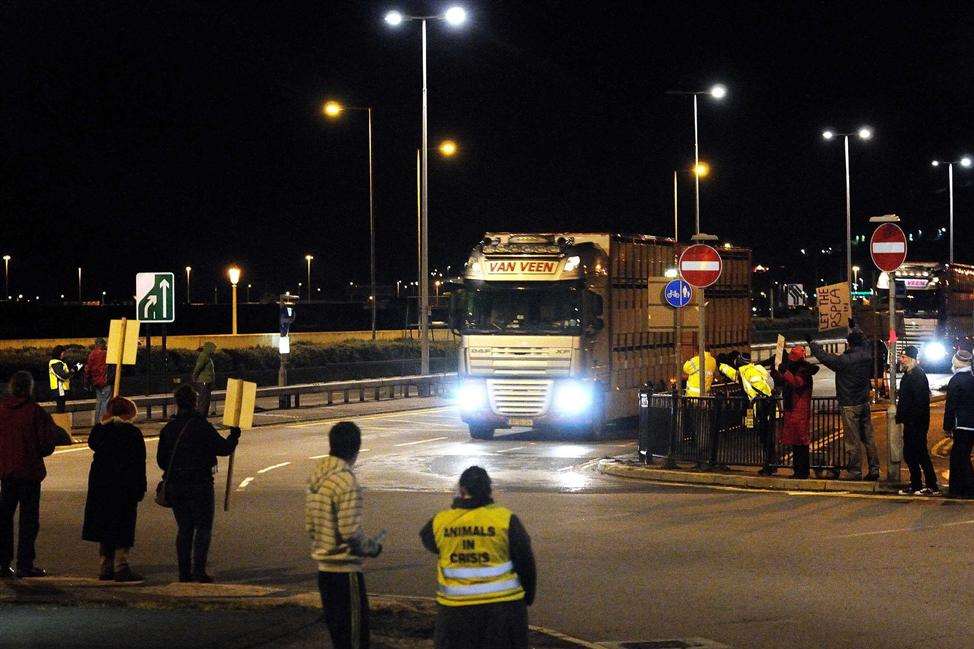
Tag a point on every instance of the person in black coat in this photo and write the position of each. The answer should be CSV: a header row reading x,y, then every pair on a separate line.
x,y
116,484
191,444
959,425
913,411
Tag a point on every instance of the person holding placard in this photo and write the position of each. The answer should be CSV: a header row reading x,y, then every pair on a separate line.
x,y
188,448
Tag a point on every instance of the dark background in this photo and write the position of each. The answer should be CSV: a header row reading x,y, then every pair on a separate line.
x,y
151,136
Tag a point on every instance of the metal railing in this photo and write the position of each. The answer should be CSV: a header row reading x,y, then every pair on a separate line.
x,y
766,350
289,396
723,430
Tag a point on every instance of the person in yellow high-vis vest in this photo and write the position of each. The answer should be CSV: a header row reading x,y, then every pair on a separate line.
x,y
485,574
59,375
690,368
758,386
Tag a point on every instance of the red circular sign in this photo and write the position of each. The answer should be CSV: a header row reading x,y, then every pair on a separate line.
x,y
887,247
700,265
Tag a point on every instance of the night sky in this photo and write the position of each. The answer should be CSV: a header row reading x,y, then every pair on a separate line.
x,y
149,136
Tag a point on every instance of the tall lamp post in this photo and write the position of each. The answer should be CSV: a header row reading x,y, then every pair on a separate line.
x,y
234,274
6,277
864,133
964,162
333,109
308,259
79,286
189,294
718,92
454,16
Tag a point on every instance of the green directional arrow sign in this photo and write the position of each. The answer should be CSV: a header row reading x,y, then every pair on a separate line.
x,y
155,295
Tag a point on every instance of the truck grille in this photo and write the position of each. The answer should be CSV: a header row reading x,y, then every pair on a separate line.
x,y
518,398
544,361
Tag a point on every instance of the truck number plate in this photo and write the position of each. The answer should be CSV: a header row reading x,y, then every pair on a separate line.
x,y
520,421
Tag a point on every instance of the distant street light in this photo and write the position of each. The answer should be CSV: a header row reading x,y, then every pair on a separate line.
x,y
6,276
966,163
717,92
308,259
855,281
448,148
234,274
189,294
701,170
248,293
864,133
333,109
80,300
454,16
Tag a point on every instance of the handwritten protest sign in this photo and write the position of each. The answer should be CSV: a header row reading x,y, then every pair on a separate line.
x,y
834,308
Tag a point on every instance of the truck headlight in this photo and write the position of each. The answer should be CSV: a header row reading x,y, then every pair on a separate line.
x,y
573,397
934,352
472,395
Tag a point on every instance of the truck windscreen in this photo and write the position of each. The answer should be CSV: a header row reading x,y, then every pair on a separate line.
x,y
920,302
530,308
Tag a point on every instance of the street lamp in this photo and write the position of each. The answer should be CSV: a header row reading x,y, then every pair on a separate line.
x,y
6,276
717,92
308,259
448,148
454,16
855,281
234,274
964,162
79,286
189,295
333,110
248,293
864,133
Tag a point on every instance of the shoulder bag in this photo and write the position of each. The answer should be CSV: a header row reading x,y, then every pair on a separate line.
x,y
162,496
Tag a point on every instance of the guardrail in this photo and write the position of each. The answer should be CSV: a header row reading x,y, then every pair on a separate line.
x,y
289,396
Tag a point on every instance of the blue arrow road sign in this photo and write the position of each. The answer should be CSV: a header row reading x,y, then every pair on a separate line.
x,y
678,293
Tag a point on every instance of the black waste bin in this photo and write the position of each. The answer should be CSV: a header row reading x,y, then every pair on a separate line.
x,y
656,420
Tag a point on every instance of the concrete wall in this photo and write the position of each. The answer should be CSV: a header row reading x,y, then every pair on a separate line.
x,y
228,341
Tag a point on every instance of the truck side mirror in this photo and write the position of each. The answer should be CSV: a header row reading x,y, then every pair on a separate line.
x,y
593,313
458,310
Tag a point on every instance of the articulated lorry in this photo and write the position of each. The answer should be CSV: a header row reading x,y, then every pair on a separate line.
x,y
560,330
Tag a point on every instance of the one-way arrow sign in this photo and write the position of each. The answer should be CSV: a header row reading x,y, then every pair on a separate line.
x,y
154,297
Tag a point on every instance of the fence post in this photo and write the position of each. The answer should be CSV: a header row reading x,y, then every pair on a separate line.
x,y
676,407
715,419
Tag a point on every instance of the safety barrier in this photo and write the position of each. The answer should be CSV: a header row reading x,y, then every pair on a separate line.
x,y
289,396
725,429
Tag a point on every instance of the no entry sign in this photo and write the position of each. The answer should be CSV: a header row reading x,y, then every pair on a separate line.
x,y
887,247
700,265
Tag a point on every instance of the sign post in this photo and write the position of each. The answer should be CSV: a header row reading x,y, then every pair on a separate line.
x,y
677,294
887,247
700,266
123,346
238,411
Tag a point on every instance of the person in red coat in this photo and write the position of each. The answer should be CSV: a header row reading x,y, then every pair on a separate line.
x,y
795,376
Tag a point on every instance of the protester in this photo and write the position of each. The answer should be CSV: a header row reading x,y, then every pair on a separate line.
x,y
27,435
795,377
959,425
59,375
758,385
333,520
485,575
116,484
853,371
188,448
913,411
203,376
96,373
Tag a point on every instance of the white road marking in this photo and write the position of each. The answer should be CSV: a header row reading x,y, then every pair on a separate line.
x,y
422,441
508,450
246,481
318,457
387,415
273,466
566,468
85,447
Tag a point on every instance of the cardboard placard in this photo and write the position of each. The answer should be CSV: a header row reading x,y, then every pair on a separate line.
x,y
238,407
121,351
834,309
779,350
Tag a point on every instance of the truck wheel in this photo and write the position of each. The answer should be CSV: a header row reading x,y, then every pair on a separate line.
x,y
481,432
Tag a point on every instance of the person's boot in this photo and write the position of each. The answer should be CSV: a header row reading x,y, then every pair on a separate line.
x,y
30,572
6,572
123,572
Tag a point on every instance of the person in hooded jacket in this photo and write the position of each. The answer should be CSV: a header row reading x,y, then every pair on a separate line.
x,y
204,375
794,375
116,485
28,434
959,425
853,376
